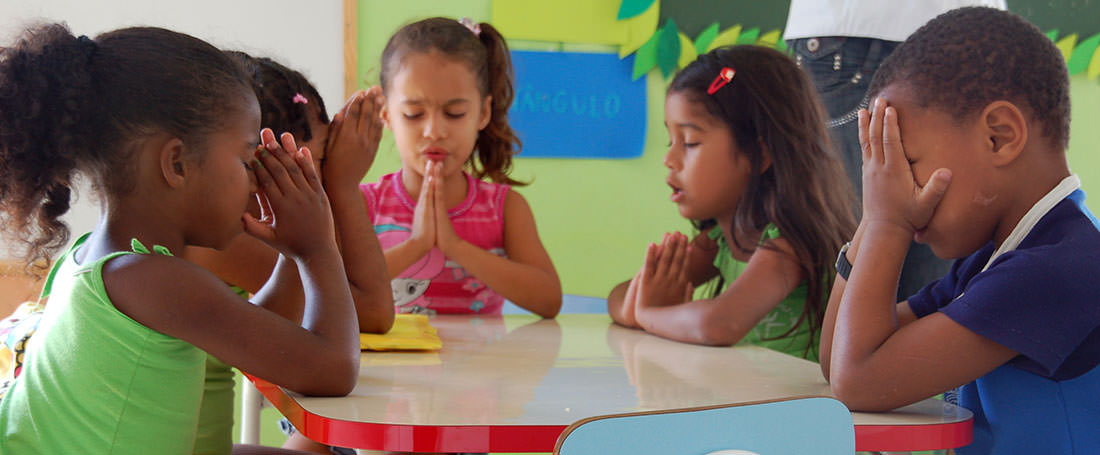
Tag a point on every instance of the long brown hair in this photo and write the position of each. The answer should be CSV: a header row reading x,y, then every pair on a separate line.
x,y
773,111
486,54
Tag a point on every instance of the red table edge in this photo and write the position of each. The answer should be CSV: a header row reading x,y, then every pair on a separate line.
x,y
537,438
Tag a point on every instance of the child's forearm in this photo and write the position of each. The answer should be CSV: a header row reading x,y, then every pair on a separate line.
x,y
282,293
866,314
828,324
697,322
364,263
329,314
402,256
533,288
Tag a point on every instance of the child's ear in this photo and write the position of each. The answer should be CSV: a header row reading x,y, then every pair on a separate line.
x,y
1006,130
486,112
171,159
384,114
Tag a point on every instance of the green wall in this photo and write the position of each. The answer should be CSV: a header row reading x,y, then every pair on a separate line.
x,y
596,216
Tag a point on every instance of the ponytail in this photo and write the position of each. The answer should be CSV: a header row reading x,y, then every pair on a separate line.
x,y
497,143
45,92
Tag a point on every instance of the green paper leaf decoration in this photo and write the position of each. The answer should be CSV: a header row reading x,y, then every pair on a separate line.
x,y
781,46
687,52
1053,35
769,39
1094,67
631,8
749,36
668,48
1066,45
726,38
1082,54
702,42
646,56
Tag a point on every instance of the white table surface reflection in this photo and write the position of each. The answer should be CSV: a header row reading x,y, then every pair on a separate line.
x,y
513,383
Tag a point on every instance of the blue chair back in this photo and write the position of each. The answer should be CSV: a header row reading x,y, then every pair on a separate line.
x,y
816,425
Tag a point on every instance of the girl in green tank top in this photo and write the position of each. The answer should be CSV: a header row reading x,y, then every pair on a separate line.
x,y
167,128
289,102
749,167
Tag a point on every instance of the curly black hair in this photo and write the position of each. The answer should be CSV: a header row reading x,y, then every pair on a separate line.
x,y
72,105
277,88
966,58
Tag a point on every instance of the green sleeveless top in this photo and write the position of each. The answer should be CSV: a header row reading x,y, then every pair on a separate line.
x,y
769,332
96,381
215,431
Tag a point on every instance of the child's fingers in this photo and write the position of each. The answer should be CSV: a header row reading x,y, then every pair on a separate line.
x,y
268,137
875,134
288,156
933,191
438,195
676,262
864,132
355,109
374,117
264,179
305,161
650,266
257,228
689,292
688,251
425,184
668,252
892,151
632,290
271,174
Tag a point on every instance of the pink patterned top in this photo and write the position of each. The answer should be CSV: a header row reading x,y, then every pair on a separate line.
x,y
434,282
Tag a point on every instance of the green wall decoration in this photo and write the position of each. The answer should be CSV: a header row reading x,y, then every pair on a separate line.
x,y
697,17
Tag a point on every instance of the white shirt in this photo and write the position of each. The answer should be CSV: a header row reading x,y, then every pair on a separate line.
x,y
891,20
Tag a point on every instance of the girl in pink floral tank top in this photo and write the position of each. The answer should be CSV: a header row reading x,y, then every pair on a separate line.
x,y
433,281
456,239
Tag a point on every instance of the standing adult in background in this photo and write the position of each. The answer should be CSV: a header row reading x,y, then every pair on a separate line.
x,y
841,43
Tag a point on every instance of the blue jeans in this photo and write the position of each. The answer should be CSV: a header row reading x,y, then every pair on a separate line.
x,y
842,68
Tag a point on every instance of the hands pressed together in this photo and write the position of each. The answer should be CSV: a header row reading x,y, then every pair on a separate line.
x,y
431,223
353,138
663,279
295,215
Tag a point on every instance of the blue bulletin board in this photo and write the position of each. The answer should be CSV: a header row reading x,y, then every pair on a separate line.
x,y
577,105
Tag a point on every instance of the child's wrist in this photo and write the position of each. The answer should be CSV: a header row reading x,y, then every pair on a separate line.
x,y
457,249
342,191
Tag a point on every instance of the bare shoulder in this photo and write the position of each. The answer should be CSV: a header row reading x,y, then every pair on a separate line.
x,y
515,203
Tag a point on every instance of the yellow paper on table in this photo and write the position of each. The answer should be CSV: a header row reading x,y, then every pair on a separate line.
x,y
410,332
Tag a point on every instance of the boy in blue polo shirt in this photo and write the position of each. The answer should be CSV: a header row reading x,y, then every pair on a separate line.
x,y
964,149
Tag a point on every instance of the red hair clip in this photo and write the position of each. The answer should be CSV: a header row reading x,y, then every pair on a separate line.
x,y
724,77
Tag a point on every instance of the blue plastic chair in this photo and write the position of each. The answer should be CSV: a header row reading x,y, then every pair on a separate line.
x,y
816,425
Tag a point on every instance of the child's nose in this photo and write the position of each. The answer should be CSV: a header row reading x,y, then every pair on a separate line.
x,y
670,157
434,128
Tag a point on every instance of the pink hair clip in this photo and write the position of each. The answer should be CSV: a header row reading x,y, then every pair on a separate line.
x,y
470,24
724,77
300,99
